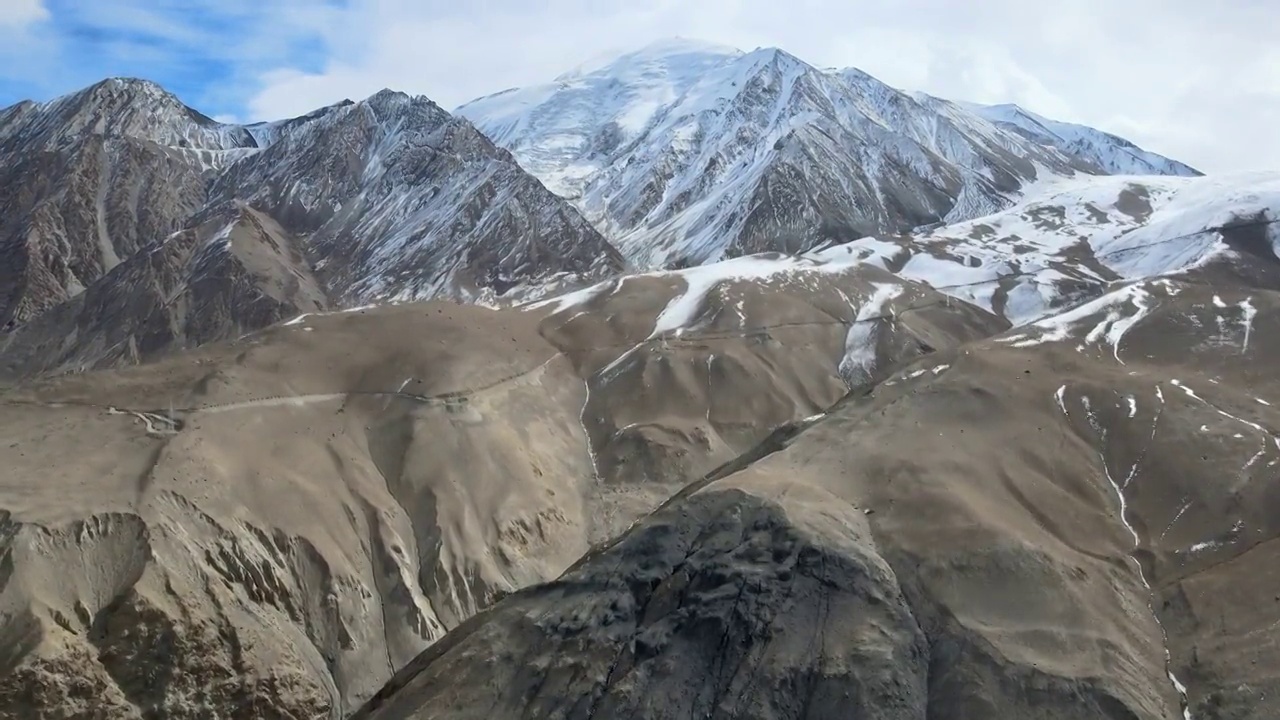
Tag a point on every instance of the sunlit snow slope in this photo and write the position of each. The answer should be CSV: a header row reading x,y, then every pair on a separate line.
x,y
1071,243
1112,154
683,153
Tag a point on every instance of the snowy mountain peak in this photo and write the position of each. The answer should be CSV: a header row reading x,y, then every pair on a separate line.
x,y
387,97
119,107
685,152
669,53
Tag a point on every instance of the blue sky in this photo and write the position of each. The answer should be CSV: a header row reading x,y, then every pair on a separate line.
x,y
208,52
1197,81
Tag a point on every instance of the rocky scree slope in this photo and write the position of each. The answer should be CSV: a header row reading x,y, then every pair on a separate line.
x,y
683,153
390,197
777,486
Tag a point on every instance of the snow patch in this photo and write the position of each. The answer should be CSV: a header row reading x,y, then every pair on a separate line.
x,y
860,342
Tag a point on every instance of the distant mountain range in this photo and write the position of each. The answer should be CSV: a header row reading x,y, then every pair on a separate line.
x,y
135,224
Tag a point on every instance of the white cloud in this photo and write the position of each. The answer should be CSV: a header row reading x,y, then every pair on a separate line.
x,y
18,13
1199,82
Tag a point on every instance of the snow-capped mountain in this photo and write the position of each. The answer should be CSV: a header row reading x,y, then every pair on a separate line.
x,y
683,152
385,198
812,466
401,200
1113,155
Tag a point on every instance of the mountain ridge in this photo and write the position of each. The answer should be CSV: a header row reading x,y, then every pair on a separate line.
x,y
387,197
769,482
666,149
1113,153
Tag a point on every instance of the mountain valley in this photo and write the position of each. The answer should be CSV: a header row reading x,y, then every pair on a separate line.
x,y
699,383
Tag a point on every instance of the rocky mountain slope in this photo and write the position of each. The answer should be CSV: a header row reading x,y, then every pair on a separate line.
x,y
119,191
1010,530
683,153
1115,155
283,521
777,486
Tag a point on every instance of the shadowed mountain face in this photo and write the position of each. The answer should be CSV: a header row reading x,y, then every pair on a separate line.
x,y
134,225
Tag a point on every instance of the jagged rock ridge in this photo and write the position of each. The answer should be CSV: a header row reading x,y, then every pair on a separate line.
x,y
389,197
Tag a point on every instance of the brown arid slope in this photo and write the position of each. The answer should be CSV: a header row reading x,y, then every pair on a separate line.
x,y
275,525
1041,525
780,486
272,526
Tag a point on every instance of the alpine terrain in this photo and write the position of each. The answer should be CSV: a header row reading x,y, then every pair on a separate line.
x,y
732,389
684,152
134,225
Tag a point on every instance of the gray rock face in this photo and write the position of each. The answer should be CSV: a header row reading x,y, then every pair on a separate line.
x,y
222,278
358,202
77,211
777,622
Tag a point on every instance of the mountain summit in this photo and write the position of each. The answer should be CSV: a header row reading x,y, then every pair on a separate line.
x,y
684,152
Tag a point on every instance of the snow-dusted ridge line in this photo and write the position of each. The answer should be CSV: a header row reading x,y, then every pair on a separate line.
x,y
956,259
1113,154
670,149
